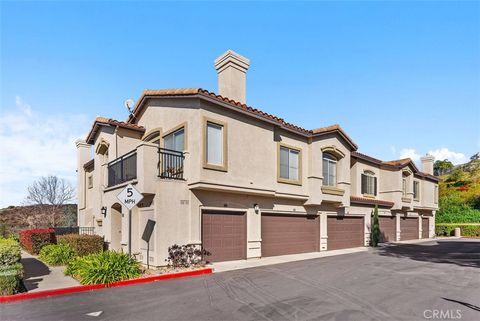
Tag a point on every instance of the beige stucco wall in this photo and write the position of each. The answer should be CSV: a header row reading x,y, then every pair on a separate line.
x,y
250,178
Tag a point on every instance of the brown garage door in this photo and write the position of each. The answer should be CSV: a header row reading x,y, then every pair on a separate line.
x,y
289,234
344,232
425,228
387,228
224,236
408,228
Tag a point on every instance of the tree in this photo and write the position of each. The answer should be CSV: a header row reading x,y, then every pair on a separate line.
x,y
50,190
441,167
375,230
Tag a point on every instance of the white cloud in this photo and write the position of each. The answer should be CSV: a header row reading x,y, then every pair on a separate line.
x,y
409,153
25,108
439,154
34,145
444,153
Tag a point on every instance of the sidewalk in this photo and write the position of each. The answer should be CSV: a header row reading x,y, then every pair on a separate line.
x,y
40,277
251,263
415,241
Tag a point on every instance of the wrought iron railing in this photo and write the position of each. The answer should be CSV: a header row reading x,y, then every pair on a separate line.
x,y
86,230
122,169
170,163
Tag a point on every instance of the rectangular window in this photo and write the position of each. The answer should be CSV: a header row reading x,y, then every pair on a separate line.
x,y
289,163
175,141
329,172
404,187
416,190
369,184
215,144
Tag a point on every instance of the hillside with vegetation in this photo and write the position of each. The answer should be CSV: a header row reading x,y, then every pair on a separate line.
x,y
459,192
15,218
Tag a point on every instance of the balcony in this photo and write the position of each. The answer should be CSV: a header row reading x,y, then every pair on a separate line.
x,y
170,164
122,169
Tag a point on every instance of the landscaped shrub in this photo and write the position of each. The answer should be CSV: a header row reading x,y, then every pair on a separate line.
x,y
103,267
465,230
184,255
82,244
9,252
33,240
56,254
10,278
375,232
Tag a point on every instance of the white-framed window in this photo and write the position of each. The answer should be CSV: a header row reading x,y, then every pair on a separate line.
x,y
329,170
369,183
416,190
175,141
404,186
215,151
289,163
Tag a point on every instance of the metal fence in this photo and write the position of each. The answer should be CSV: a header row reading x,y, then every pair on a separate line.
x,y
89,230
122,169
86,230
170,163
66,230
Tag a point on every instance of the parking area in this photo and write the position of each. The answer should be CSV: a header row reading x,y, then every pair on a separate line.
x,y
394,282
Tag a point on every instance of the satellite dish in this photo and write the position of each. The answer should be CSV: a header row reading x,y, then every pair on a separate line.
x,y
128,104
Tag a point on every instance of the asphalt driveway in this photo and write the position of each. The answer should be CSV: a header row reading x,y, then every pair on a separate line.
x,y
438,280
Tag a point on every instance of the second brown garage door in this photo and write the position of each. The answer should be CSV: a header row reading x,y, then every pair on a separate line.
x,y
224,236
289,234
344,232
408,228
387,228
425,231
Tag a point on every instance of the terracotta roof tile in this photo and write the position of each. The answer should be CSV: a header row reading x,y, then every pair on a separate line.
x,y
366,157
241,106
399,162
99,120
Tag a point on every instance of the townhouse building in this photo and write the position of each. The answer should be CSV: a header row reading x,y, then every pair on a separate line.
x,y
239,182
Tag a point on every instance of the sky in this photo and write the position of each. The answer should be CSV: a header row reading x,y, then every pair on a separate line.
x,y
401,78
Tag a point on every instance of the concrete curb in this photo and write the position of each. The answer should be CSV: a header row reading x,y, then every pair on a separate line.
x,y
84,288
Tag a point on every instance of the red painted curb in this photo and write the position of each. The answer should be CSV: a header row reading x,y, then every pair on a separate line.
x,y
83,288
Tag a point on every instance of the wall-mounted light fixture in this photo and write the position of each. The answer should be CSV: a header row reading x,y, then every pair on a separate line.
x,y
256,208
104,211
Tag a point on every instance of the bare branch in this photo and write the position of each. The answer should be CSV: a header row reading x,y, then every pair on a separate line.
x,y
50,190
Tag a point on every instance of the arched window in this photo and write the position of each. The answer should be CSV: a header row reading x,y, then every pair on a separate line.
x,y
329,170
369,183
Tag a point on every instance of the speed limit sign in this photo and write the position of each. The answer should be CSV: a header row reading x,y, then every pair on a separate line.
x,y
130,197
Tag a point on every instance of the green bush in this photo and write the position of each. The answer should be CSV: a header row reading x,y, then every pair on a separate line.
x,y
375,232
469,230
9,252
10,278
82,244
103,267
56,254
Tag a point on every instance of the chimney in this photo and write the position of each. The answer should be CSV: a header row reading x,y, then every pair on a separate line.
x,y
232,75
427,164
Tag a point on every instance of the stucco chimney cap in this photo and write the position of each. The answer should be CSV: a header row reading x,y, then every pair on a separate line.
x,y
427,157
233,59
